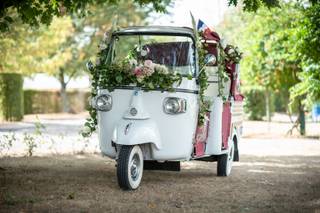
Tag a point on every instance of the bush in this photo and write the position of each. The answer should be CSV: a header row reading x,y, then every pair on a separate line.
x,y
281,101
254,104
11,96
49,101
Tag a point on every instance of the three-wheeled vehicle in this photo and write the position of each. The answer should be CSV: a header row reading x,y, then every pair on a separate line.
x,y
141,128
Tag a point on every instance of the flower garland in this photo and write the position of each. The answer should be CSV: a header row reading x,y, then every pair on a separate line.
x,y
92,122
228,54
203,82
144,74
148,76
233,54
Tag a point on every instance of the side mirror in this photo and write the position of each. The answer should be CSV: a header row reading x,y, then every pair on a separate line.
x,y
90,66
210,59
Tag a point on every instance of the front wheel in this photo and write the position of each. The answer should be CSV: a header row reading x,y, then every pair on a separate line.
x,y
225,162
130,167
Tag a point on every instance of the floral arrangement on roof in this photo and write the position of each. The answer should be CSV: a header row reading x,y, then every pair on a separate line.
x,y
140,73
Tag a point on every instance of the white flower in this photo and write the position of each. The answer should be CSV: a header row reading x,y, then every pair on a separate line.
x,y
137,48
133,62
149,63
161,69
98,61
223,43
102,46
86,130
143,52
230,51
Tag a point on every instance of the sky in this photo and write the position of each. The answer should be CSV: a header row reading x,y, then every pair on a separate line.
x,y
209,11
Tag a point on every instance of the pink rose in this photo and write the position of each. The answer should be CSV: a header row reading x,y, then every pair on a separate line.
x,y
147,71
138,71
148,63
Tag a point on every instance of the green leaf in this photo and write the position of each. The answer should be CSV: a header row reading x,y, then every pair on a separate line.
x,y
119,78
8,19
151,86
4,27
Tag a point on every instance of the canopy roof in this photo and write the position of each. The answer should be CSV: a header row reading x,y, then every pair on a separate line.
x,y
157,30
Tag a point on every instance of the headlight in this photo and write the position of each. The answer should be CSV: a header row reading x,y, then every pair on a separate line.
x,y
103,103
174,105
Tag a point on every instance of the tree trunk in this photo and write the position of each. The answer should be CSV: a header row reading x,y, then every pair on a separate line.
x,y
268,113
63,91
302,121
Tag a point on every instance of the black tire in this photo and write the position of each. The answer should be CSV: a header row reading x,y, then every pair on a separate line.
x,y
224,162
126,179
222,165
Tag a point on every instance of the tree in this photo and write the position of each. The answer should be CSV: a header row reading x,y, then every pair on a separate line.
x,y
254,5
40,12
62,48
272,60
309,49
88,33
26,50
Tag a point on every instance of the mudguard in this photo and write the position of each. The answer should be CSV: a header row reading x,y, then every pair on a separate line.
x,y
133,132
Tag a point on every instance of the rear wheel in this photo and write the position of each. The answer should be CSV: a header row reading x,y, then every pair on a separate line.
x,y
225,162
130,167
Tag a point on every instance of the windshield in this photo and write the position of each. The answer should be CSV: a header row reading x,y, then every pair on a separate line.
x,y
174,52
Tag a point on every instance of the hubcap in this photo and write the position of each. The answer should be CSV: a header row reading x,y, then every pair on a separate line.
x,y
230,158
135,167
231,154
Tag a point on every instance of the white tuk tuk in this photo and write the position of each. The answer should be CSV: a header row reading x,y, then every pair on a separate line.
x,y
148,107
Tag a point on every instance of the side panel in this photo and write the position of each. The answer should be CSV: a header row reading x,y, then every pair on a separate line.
x,y
226,124
201,138
214,141
237,116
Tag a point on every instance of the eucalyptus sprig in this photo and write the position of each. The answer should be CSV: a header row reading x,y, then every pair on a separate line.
x,y
91,122
203,82
222,72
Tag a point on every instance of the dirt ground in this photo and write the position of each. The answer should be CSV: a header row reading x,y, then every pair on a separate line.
x,y
275,174
87,183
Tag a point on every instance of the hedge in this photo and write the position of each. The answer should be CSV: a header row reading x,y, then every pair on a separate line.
x,y
41,102
11,97
254,104
49,101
